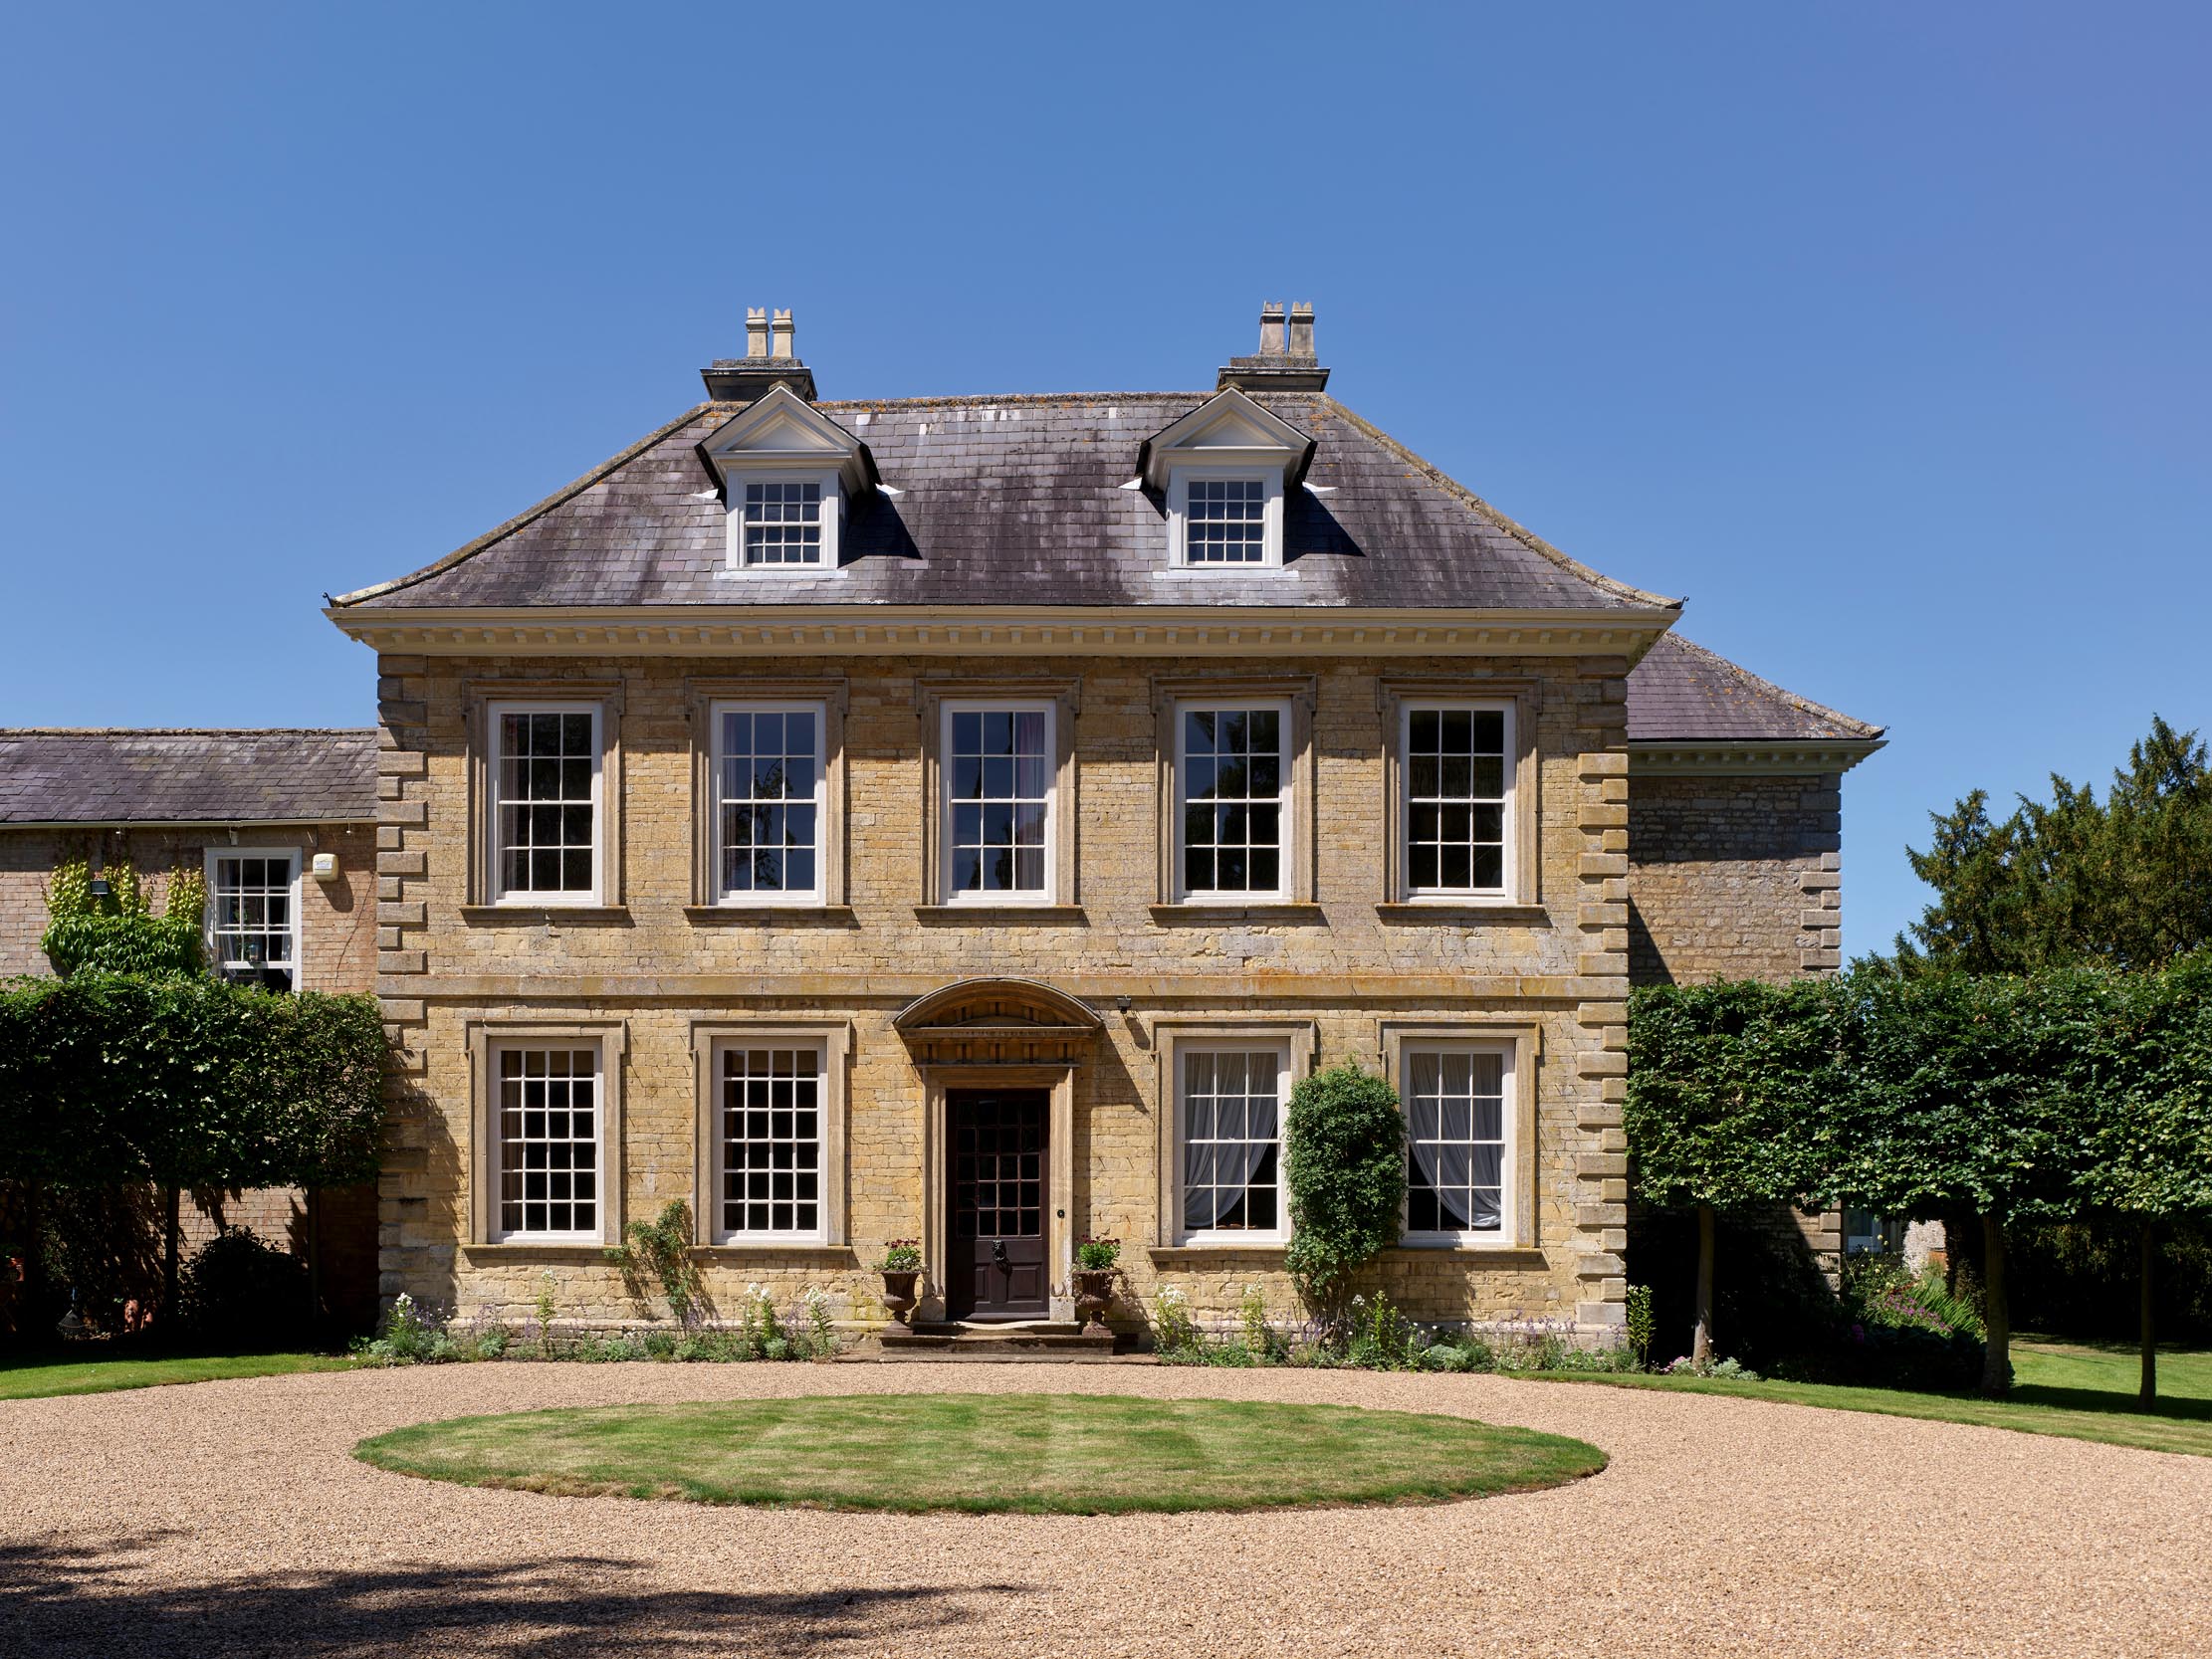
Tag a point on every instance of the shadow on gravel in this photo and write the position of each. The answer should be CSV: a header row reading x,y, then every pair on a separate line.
x,y
69,1600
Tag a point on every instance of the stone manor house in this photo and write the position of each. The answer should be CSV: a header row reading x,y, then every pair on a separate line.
x,y
963,819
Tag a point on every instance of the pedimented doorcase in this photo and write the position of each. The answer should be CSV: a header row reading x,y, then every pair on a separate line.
x,y
998,1183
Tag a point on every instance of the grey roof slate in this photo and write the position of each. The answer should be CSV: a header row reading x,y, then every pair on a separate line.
x,y
1681,693
126,776
1013,500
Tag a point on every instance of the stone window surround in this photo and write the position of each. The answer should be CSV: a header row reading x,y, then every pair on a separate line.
x,y
479,696
1063,886
1167,1037
1523,1044
1169,693
708,1038
485,1037
1523,820
704,697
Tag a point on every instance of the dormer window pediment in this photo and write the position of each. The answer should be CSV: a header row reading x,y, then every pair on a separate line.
x,y
1223,468
787,475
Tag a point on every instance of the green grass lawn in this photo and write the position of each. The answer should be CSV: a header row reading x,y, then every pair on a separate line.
x,y
44,1375
2086,1391
1029,1453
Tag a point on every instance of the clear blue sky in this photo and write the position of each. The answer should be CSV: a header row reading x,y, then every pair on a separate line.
x,y
1877,331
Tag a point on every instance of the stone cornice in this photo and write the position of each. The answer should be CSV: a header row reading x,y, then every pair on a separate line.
x,y
996,631
877,989
1738,757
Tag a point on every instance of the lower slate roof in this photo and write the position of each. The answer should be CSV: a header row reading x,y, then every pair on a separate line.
x,y
112,775
1681,692
1017,500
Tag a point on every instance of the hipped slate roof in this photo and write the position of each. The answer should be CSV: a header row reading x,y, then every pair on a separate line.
x,y
117,776
1682,694
1018,501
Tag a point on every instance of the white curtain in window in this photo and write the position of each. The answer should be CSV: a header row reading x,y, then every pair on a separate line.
x,y
1230,1109
1456,1127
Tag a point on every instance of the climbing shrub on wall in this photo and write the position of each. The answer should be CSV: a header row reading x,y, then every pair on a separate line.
x,y
1346,1142
118,932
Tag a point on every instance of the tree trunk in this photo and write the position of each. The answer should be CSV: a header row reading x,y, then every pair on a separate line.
x,y
170,1229
1702,1339
314,1206
1997,1357
2146,1394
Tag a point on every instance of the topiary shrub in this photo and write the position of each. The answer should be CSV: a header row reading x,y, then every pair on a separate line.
x,y
242,1290
1346,1141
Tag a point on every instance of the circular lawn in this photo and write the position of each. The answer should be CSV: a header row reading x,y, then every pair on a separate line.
x,y
1042,1454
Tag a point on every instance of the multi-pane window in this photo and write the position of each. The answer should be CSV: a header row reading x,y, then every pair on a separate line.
x,y
1225,521
767,800
783,522
1456,780
1233,1139
1456,1133
548,1142
1231,773
771,1138
546,795
253,918
997,766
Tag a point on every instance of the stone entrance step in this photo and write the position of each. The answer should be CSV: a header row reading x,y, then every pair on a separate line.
x,y
1057,1341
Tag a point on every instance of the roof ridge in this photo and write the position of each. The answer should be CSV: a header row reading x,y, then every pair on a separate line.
x,y
1820,711
499,533
1520,532
974,400
7,731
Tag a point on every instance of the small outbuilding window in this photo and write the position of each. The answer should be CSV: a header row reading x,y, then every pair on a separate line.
x,y
253,915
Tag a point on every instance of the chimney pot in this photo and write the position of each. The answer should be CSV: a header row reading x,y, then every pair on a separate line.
x,y
1270,328
782,329
756,332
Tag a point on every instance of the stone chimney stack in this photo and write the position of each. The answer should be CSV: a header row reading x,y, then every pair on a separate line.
x,y
769,360
1285,361
1270,329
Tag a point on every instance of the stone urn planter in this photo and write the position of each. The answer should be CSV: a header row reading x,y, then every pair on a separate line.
x,y
901,1268
1093,1277
1094,1293
898,1290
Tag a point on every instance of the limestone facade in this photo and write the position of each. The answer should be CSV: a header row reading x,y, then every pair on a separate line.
x,y
650,973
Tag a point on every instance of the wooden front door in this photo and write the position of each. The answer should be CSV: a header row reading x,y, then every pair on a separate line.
x,y
995,1268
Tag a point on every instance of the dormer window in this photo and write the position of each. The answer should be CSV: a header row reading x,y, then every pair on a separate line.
x,y
1223,468
782,523
1231,519
789,476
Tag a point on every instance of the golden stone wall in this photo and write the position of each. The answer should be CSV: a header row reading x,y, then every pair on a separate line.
x,y
1341,967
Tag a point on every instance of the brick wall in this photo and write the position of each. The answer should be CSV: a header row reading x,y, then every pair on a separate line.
x,y
337,931
1558,967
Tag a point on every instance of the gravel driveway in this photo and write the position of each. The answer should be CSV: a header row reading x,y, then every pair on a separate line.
x,y
227,1517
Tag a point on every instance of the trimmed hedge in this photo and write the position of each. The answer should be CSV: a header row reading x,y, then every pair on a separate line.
x,y
107,1080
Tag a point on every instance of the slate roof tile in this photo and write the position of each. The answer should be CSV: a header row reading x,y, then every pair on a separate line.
x,y
120,776
1018,497
1681,693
